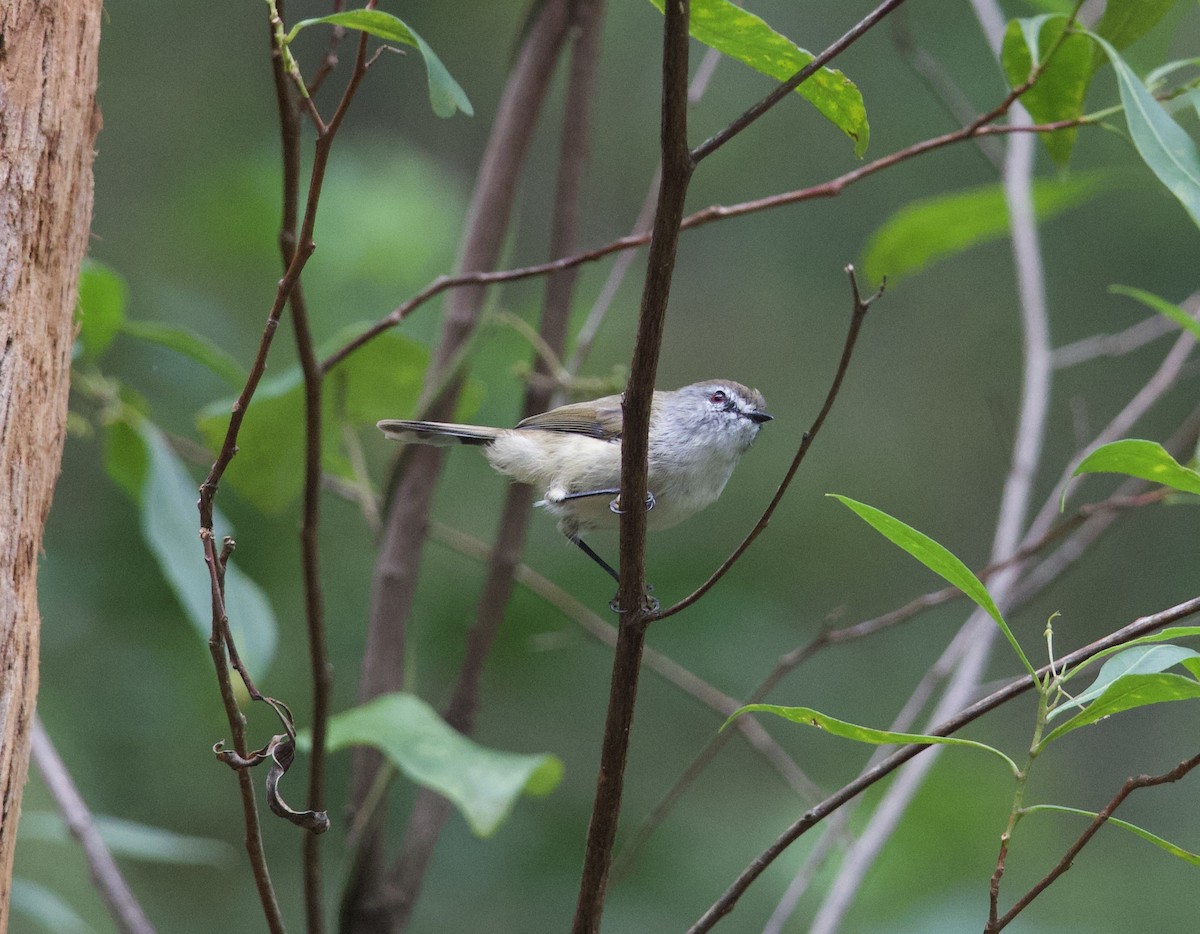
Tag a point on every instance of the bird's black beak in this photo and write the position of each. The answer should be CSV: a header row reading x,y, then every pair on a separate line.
x,y
759,417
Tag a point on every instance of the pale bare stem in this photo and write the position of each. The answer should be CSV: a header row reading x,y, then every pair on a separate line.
x,y
1112,345
979,630
123,906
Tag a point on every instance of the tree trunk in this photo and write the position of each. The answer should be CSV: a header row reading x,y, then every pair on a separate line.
x,y
48,124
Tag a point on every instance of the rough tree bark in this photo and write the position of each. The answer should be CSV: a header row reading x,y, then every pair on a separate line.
x,y
48,124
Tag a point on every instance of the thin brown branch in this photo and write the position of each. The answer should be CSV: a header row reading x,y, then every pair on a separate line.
x,y
708,215
1139,627
857,316
632,600
1131,785
122,904
711,145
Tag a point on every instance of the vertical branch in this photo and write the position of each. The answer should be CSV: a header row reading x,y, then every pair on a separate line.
x,y
431,809
632,600
365,906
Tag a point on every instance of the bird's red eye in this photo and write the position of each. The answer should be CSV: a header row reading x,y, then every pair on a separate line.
x,y
718,397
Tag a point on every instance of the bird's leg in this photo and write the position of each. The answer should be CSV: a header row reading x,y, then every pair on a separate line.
x,y
651,603
587,550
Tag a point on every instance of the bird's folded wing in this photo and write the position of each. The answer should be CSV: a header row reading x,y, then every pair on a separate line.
x,y
599,419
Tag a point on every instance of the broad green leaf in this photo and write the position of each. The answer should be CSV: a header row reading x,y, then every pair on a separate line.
x,y
1147,460
483,783
926,231
101,307
863,734
739,34
1161,305
191,345
1158,841
1161,142
170,526
445,95
48,910
1129,692
133,840
1140,659
1126,21
381,380
1060,89
938,559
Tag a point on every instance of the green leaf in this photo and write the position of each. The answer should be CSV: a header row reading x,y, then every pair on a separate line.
x,y
1147,460
100,310
938,559
133,840
1060,89
1129,692
1161,142
483,783
863,734
170,527
742,35
381,380
1158,841
923,232
1161,305
46,908
1141,659
191,345
445,95
1165,635
1126,21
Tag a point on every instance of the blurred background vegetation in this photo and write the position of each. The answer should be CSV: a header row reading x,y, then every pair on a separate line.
x,y
187,193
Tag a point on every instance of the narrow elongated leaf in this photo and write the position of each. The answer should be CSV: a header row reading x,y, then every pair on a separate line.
x,y
483,783
1165,635
938,559
1129,692
191,345
1147,460
170,525
1158,841
133,840
923,232
101,307
1161,305
734,32
445,94
1140,659
863,734
1161,142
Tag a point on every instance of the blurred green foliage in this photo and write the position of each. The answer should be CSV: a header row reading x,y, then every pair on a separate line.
x,y
187,194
